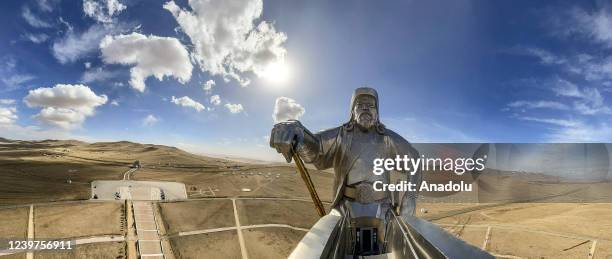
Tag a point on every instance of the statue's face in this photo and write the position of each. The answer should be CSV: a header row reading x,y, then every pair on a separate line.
x,y
365,112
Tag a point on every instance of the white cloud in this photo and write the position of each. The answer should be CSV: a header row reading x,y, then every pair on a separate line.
x,y
234,108
588,101
566,88
10,76
572,130
102,10
97,74
150,55
188,102
15,80
45,5
584,101
32,19
545,56
64,105
596,25
74,46
150,120
557,122
7,101
87,65
538,105
215,99
8,115
208,85
36,38
61,117
287,109
114,103
583,133
590,67
226,39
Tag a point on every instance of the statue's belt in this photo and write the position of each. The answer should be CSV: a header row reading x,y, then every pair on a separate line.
x,y
364,192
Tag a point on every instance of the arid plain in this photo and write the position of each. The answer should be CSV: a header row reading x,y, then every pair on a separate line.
x,y
239,208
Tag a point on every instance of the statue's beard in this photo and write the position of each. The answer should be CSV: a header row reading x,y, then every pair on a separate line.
x,y
365,121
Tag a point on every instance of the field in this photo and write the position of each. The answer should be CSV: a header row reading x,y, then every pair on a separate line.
x,y
519,229
61,221
14,223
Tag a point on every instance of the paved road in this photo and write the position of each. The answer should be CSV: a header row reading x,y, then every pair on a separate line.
x,y
30,255
128,174
149,245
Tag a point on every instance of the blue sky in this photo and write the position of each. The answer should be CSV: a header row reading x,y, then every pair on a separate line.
x,y
460,71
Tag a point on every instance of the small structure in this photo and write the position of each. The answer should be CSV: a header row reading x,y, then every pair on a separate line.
x,y
136,164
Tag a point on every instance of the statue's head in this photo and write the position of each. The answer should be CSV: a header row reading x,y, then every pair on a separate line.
x,y
364,110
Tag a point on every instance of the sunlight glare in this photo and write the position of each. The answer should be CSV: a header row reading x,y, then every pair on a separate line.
x,y
277,72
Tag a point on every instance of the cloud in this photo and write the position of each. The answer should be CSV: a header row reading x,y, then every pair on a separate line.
x,y
64,105
15,80
7,101
596,25
583,101
571,130
97,74
188,102
114,103
149,121
578,78
74,46
583,133
32,19
557,122
102,10
149,55
8,115
215,99
592,68
227,40
545,56
538,105
45,5
10,76
36,38
287,109
234,108
566,88
589,101
208,85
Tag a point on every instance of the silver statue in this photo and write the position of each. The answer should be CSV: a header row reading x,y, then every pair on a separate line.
x,y
351,149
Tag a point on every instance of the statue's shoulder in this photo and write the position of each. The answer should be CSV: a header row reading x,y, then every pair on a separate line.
x,y
394,136
400,143
331,132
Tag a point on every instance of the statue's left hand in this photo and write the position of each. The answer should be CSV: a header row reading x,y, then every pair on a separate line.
x,y
286,137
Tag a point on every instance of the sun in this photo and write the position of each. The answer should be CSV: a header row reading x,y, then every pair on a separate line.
x,y
277,72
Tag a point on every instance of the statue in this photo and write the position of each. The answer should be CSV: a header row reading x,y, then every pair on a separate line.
x,y
351,149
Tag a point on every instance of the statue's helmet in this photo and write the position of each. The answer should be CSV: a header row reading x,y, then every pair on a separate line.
x,y
368,91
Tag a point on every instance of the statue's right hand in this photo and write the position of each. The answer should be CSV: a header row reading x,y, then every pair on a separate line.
x,y
286,137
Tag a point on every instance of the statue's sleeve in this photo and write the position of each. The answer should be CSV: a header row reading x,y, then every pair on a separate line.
x,y
320,148
403,147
